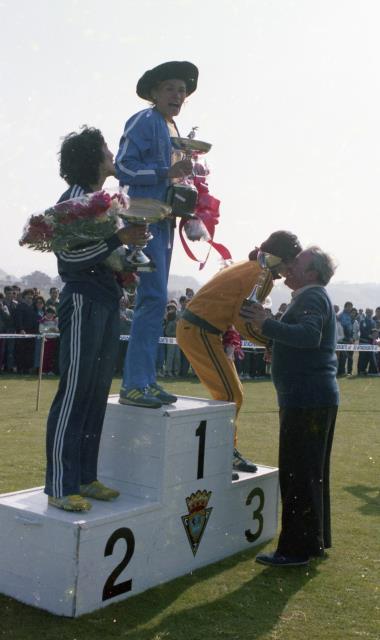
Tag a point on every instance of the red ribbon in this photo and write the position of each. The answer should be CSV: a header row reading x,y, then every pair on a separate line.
x,y
208,211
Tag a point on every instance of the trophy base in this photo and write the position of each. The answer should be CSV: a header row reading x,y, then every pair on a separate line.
x,y
148,267
138,261
247,302
246,306
186,216
132,265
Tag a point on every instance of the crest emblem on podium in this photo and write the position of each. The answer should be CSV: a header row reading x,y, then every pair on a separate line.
x,y
196,520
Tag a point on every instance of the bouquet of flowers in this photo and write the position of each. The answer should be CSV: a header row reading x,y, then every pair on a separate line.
x,y
74,223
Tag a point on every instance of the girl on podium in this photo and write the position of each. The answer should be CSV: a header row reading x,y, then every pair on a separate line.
x,y
146,162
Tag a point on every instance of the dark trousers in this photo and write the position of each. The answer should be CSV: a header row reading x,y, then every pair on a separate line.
x,y
184,367
343,358
24,352
306,437
367,362
88,348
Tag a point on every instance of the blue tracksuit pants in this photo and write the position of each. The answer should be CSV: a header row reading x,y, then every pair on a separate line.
x,y
88,348
151,299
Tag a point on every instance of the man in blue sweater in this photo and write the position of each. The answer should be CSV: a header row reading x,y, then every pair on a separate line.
x,y
304,374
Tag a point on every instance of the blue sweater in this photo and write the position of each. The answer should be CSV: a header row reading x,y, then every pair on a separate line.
x,y
303,360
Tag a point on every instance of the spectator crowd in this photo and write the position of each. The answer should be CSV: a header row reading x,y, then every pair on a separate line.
x,y
27,312
358,326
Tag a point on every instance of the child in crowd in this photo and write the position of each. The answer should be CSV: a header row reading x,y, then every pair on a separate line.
x,y
49,324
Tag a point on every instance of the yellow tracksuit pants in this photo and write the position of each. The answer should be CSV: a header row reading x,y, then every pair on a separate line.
x,y
215,370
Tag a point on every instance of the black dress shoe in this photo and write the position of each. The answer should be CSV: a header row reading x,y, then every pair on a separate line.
x,y
239,463
235,476
275,559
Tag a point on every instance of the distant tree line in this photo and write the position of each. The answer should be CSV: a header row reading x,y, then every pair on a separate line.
x,y
36,279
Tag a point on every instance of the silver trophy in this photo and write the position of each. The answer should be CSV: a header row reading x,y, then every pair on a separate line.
x,y
183,195
189,146
266,261
143,211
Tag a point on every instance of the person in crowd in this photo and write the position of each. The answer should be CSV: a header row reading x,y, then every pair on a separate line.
x,y
367,359
189,293
89,337
355,325
9,298
49,324
183,300
345,358
53,300
4,321
304,374
215,308
26,322
146,163
243,363
185,364
361,315
374,367
9,305
376,318
39,305
17,293
339,328
173,354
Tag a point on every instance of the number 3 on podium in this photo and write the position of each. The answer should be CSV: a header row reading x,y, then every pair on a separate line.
x,y
257,514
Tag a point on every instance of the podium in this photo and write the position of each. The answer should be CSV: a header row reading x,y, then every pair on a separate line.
x,y
178,510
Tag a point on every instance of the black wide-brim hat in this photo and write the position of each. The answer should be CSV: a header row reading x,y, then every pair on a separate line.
x,y
185,71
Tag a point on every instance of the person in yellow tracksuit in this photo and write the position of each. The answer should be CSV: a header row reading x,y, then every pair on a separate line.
x,y
215,308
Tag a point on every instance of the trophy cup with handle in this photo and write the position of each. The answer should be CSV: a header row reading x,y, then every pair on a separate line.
x,y
266,261
183,196
143,211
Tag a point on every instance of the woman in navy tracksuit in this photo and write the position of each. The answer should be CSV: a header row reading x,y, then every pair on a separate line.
x,y
89,338
145,163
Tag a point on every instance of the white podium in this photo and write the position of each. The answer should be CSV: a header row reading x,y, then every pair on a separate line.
x,y
178,510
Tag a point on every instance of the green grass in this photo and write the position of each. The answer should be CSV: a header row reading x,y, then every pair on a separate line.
x,y
236,599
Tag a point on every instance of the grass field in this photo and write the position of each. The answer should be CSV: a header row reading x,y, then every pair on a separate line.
x,y
337,598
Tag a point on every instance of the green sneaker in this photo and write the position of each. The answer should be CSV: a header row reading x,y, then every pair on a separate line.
x,y
139,398
70,503
98,491
163,396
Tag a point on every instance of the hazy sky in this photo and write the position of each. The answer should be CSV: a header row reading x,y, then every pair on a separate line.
x,y
288,95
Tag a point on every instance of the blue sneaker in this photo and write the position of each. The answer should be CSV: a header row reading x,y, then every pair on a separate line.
x,y
139,398
163,396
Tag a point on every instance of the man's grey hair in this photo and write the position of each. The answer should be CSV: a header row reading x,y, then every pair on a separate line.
x,y
322,263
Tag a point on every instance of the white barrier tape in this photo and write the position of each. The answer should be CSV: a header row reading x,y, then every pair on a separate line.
x,y
357,347
163,340
339,347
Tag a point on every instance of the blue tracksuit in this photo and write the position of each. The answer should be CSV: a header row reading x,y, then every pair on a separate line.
x,y
89,340
143,162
